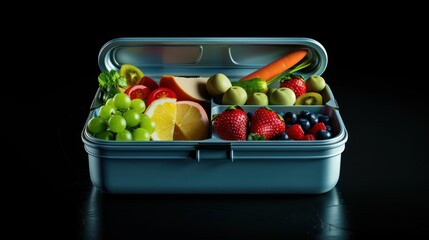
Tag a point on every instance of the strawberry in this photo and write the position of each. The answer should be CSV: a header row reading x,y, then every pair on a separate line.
x,y
266,124
296,83
317,127
231,124
309,136
295,132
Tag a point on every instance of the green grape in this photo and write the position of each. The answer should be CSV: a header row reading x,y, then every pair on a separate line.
x,y
96,125
117,123
147,123
124,136
119,113
132,117
138,104
110,102
141,134
106,111
105,135
122,101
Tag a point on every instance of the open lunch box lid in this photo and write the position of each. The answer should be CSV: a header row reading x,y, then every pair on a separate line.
x,y
234,57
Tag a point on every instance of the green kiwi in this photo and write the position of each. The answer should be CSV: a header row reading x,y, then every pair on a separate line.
x,y
131,73
309,98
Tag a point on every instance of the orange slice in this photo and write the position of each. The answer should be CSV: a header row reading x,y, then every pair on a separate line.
x,y
163,112
192,122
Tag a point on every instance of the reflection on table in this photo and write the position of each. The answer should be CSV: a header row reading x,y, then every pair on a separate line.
x,y
136,216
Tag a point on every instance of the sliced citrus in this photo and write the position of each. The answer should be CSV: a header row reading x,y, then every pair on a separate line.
x,y
163,112
192,122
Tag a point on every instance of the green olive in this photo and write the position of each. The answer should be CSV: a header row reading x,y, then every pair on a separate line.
x,y
235,95
257,99
218,84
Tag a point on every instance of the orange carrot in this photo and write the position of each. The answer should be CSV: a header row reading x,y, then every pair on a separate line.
x,y
278,66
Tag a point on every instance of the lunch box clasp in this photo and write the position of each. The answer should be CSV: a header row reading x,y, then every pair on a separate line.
x,y
214,151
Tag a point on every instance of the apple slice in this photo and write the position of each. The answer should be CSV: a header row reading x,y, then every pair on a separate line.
x,y
187,88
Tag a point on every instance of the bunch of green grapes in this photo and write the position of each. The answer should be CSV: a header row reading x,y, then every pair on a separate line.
x,y
122,119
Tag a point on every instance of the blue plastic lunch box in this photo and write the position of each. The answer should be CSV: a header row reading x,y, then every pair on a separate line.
x,y
213,165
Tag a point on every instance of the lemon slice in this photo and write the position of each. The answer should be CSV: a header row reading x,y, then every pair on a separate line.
x,y
163,112
192,122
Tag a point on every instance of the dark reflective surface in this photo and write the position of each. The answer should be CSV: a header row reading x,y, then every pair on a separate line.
x,y
122,216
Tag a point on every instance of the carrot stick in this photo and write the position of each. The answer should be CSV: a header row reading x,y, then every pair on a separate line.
x,y
278,66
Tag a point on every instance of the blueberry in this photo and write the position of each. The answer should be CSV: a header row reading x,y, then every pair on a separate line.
x,y
249,115
323,118
312,118
323,134
303,113
328,127
290,117
305,124
282,136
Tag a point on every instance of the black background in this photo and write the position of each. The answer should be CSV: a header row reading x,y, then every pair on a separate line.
x,y
376,71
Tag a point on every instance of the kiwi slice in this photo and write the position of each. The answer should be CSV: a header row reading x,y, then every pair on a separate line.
x,y
131,73
309,98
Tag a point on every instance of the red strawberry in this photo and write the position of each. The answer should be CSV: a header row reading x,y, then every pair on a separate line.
x,y
309,136
231,124
295,132
296,83
266,124
317,127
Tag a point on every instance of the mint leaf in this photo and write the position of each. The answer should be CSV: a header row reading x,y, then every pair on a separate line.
x,y
103,79
109,83
121,81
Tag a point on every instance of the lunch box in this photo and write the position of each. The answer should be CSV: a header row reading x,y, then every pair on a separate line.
x,y
214,165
